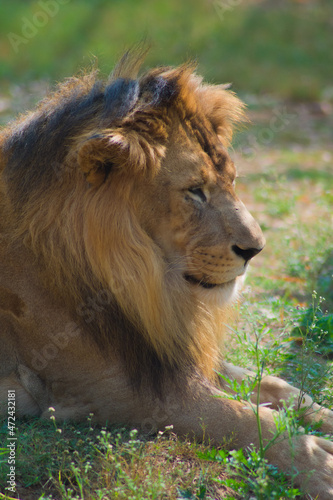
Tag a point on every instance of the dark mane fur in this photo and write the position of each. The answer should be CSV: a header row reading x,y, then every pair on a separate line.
x,y
39,143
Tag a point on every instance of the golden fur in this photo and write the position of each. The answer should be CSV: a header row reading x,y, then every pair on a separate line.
x,y
122,248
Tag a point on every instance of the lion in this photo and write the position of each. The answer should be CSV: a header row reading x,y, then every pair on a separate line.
x,y
123,248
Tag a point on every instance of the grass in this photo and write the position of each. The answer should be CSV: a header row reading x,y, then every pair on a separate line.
x,y
81,461
281,49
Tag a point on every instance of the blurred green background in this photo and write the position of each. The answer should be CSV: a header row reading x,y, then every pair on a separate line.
x,y
281,48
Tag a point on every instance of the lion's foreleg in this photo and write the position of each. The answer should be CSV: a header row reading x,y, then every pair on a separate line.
x,y
277,392
30,395
208,414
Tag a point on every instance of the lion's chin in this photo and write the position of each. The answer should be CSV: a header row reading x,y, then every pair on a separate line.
x,y
218,295
204,284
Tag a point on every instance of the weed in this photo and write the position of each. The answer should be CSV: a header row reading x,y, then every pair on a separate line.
x,y
251,476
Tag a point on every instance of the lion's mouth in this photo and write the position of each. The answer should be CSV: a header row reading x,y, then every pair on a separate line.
x,y
203,283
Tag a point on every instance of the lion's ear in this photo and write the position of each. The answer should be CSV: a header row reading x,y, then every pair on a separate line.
x,y
101,153
98,154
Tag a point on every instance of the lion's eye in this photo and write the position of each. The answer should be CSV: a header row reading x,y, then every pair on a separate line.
x,y
197,194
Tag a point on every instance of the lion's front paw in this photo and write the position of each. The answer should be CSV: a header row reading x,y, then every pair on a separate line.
x,y
313,461
316,460
323,416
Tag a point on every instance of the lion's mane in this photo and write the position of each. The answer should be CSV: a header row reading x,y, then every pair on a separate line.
x,y
85,232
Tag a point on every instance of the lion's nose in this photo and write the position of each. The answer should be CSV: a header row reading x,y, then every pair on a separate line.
x,y
246,253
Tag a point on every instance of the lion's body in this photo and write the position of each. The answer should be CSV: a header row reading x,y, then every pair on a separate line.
x,y
122,247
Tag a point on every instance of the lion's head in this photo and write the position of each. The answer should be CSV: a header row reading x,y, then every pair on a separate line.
x,y
127,187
